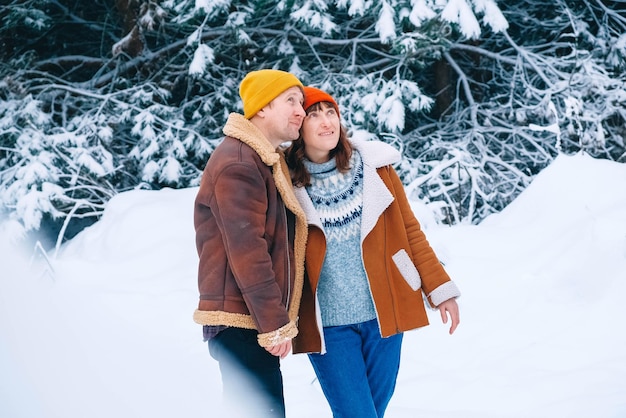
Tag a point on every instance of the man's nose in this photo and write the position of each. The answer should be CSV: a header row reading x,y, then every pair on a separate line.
x,y
300,110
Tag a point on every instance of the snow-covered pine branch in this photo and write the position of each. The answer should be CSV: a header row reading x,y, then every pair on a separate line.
x,y
479,95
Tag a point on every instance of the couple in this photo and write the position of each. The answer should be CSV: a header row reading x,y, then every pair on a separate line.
x,y
335,266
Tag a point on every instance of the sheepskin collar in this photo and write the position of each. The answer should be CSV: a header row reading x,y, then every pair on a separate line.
x,y
241,128
376,154
376,196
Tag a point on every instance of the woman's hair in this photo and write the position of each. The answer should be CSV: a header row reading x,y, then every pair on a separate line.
x,y
295,153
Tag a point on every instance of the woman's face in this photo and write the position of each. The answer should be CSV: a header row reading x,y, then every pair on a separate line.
x,y
320,132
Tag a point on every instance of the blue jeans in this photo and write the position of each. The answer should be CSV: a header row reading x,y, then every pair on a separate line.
x,y
359,370
251,378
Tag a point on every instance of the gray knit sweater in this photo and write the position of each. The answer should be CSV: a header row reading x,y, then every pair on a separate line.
x,y
343,290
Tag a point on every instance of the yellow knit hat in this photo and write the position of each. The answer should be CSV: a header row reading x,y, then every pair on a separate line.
x,y
258,88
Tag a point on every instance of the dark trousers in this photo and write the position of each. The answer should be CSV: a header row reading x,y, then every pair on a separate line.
x,y
251,377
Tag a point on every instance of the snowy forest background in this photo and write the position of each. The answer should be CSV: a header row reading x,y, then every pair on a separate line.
x,y
103,96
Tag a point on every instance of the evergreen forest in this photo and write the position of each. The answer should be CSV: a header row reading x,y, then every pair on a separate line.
x,y
103,96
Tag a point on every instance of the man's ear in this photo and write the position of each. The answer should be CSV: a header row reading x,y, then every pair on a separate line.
x,y
261,112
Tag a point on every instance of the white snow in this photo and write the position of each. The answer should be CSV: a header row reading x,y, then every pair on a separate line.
x,y
313,13
105,329
493,16
420,12
458,11
202,57
385,25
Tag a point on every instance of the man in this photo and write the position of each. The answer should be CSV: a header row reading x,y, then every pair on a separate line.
x,y
251,236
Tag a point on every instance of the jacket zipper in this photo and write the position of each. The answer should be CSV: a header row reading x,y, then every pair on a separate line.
x,y
288,275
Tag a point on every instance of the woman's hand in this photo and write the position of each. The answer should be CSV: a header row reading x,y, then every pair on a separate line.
x,y
451,308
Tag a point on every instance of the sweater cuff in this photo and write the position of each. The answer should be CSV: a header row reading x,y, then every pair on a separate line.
x,y
284,333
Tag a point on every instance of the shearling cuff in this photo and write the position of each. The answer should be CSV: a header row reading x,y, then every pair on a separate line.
x,y
446,291
284,333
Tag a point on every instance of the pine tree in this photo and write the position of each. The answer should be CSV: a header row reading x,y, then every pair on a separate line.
x,y
102,97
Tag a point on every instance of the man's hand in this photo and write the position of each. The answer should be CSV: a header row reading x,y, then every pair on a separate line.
x,y
281,350
451,308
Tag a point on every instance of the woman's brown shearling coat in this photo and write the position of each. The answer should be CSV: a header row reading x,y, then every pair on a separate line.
x,y
388,225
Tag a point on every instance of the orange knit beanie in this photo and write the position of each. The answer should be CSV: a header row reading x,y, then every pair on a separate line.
x,y
313,96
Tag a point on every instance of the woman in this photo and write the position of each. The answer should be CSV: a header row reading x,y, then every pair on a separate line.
x,y
368,263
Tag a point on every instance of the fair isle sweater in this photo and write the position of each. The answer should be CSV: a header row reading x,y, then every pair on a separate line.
x,y
343,290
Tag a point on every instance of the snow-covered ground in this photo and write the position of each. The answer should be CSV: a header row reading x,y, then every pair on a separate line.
x,y
105,329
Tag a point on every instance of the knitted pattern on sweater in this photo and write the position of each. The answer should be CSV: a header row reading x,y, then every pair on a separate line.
x,y
343,289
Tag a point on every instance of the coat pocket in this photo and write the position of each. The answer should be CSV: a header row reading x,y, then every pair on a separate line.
x,y
407,269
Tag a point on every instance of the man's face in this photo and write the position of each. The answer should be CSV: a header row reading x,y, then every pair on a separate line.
x,y
284,115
